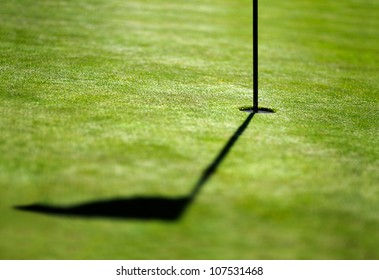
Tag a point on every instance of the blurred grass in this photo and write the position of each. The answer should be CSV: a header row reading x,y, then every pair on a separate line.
x,y
103,99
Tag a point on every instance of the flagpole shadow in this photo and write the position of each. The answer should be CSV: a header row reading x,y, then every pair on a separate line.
x,y
141,208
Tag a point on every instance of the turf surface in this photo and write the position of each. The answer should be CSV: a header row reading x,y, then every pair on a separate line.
x,y
104,100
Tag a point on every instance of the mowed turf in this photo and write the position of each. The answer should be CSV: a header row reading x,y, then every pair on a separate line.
x,y
117,99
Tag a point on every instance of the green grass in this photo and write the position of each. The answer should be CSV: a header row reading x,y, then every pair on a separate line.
x,y
105,99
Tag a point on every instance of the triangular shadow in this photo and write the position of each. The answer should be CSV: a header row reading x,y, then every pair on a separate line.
x,y
140,208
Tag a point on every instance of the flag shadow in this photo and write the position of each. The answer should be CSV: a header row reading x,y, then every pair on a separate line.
x,y
141,208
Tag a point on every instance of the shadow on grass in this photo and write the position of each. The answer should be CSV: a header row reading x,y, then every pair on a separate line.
x,y
141,208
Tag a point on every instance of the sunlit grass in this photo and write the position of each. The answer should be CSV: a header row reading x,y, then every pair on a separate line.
x,y
105,99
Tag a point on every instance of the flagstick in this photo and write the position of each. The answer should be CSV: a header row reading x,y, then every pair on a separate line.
x,y
255,108
255,56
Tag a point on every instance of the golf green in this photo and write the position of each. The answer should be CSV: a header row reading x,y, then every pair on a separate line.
x,y
116,107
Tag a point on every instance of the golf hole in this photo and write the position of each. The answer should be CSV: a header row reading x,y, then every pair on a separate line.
x,y
261,110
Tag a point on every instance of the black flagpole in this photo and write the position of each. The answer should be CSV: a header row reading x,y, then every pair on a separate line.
x,y
255,108
255,56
